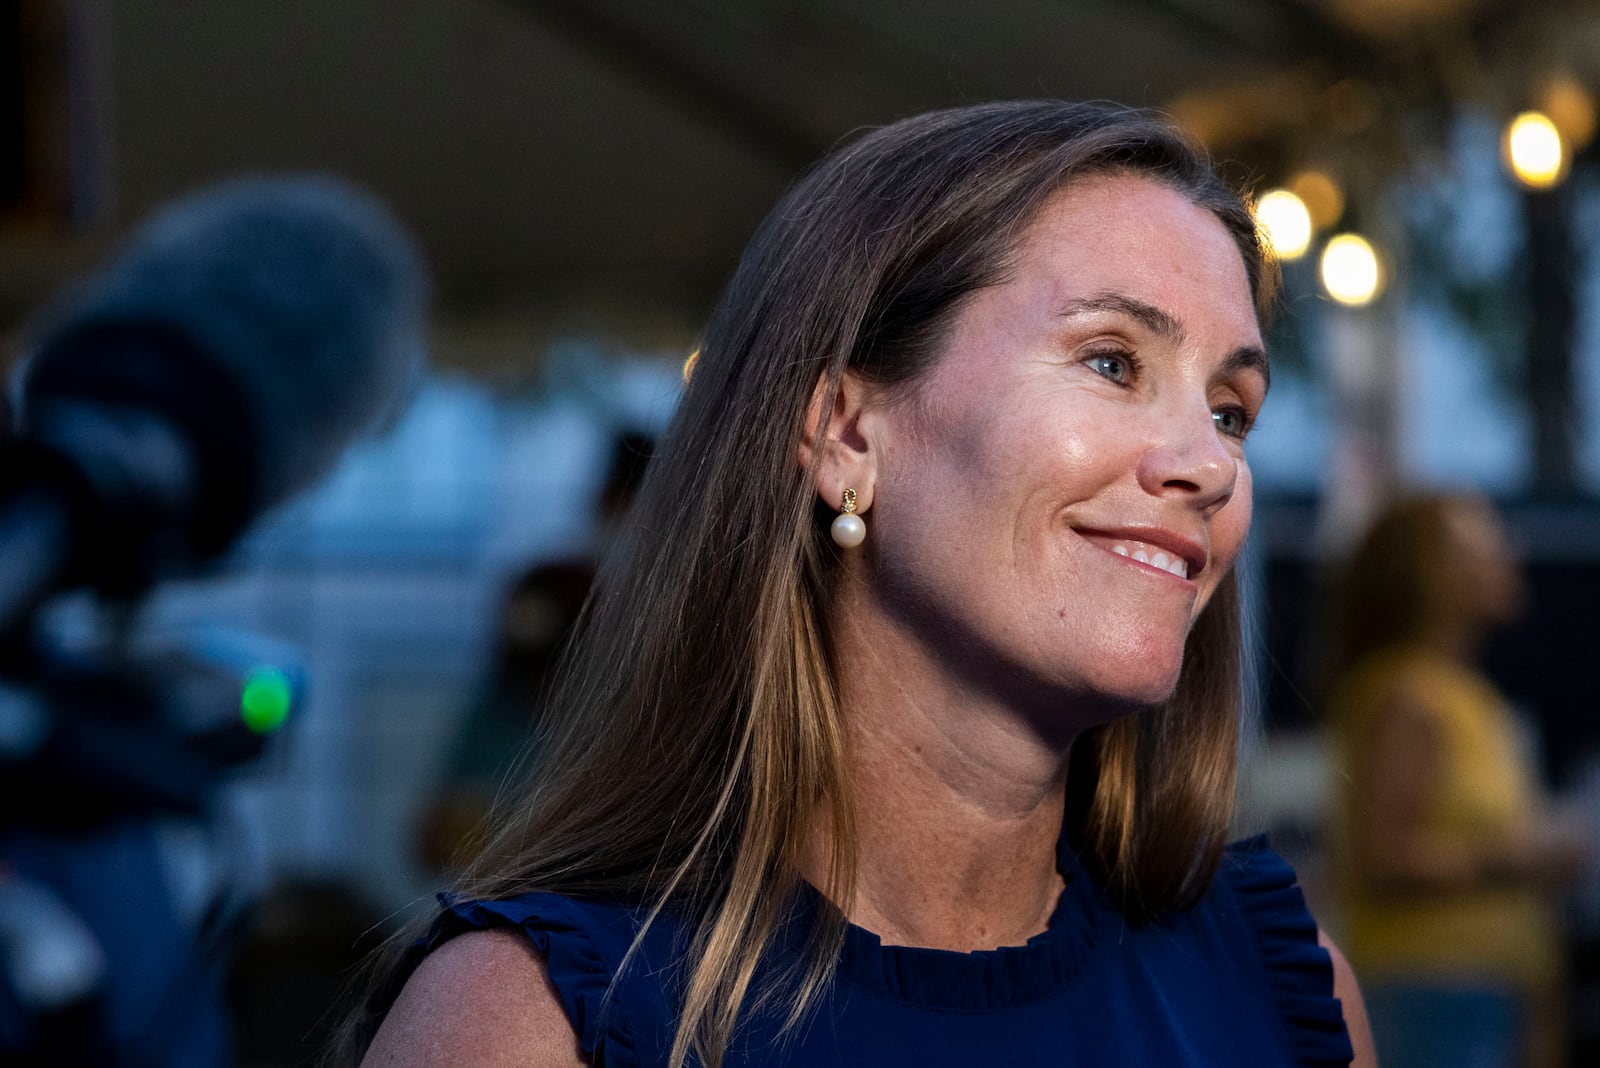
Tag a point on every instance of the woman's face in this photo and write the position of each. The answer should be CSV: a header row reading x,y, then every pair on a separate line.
x,y
1060,496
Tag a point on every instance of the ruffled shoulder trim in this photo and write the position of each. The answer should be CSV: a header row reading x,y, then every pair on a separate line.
x,y
582,947
1299,970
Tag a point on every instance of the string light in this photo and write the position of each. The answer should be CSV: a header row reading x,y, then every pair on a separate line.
x,y
1533,150
1285,223
1571,108
1350,270
1322,196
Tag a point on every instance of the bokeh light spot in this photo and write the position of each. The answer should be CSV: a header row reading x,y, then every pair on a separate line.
x,y
1322,197
1350,270
1533,150
1284,220
265,700
1571,107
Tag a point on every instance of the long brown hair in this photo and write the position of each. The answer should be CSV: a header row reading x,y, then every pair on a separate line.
x,y
697,730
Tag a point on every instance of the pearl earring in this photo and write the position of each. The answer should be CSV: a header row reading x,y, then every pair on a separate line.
x,y
848,528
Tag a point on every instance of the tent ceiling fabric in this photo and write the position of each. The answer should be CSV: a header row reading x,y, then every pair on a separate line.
x,y
618,152
551,142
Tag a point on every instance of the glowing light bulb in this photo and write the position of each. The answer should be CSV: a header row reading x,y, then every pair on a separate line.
x,y
1350,270
1533,150
1284,220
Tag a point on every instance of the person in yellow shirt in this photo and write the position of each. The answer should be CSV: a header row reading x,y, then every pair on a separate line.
x,y
1446,853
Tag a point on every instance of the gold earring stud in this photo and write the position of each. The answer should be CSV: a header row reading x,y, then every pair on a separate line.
x,y
849,530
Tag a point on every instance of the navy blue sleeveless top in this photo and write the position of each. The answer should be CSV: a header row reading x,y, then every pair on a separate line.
x,y
1236,980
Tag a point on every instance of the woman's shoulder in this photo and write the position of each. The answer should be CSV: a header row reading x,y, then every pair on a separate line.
x,y
545,973
1257,897
1408,673
484,998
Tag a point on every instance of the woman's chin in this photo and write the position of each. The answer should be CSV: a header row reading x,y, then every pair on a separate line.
x,y
1132,692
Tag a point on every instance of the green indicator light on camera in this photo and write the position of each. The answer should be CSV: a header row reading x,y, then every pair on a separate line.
x,y
264,704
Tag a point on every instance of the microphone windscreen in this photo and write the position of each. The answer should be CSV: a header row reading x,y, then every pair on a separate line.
x,y
271,320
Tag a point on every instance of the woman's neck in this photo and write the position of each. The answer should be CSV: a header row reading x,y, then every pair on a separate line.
x,y
957,801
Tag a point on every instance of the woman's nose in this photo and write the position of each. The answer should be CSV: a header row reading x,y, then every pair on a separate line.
x,y
1189,458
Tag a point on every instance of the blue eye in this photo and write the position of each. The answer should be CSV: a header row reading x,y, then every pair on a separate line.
x,y
1119,367
1233,422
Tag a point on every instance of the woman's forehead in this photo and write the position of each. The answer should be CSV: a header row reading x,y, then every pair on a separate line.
x,y
1132,239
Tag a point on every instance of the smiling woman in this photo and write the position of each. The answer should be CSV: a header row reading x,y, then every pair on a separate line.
x,y
955,790
1093,400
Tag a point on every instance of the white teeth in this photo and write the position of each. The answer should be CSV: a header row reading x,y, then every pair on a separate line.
x,y
1174,565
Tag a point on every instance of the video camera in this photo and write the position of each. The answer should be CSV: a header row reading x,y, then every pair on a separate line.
x,y
218,365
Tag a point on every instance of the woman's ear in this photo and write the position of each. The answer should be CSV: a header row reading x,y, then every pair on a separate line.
x,y
848,459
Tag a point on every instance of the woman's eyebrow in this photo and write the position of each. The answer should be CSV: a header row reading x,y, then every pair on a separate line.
x,y
1152,318
1167,327
1249,358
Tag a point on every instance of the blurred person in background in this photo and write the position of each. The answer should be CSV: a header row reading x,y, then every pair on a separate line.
x,y
536,619
1446,854
903,726
538,615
